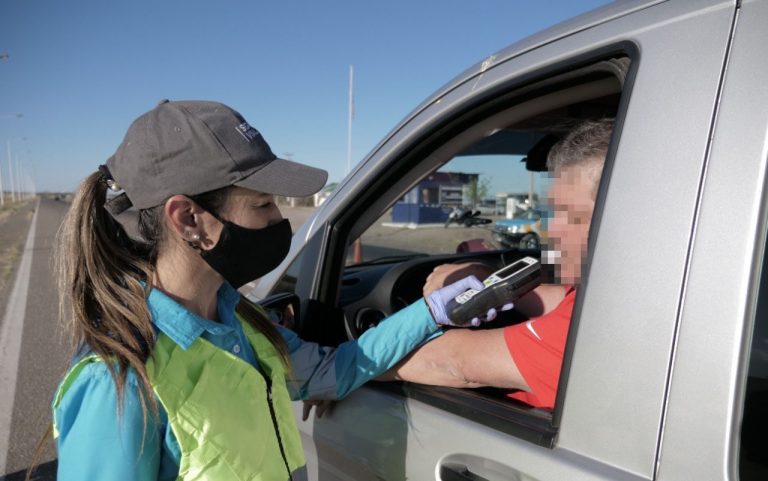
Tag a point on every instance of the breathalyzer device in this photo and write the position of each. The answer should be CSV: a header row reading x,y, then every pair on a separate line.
x,y
503,286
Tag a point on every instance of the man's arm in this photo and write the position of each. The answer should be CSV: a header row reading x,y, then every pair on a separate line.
x,y
461,358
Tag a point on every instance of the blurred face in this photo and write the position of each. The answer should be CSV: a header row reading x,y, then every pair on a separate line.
x,y
571,197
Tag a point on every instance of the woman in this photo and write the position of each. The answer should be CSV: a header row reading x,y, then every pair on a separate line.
x,y
176,375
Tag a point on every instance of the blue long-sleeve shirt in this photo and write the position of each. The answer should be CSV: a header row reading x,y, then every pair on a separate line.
x,y
95,443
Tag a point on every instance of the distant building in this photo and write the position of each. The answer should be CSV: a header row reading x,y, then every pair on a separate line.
x,y
433,198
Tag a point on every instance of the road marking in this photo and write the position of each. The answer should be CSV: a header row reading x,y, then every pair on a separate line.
x,y
10,341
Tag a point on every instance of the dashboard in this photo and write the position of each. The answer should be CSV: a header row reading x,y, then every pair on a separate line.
x,y
372,292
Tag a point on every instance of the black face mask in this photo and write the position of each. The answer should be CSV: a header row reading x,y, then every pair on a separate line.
x,y
242,254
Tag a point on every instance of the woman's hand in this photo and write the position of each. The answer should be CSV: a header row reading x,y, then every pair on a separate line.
x,y
439,300
321,407
458,278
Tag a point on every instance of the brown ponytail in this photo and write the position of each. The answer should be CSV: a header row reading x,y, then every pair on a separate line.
x,y
104,277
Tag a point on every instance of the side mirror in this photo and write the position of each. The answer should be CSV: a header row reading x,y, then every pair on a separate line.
x,y
285,305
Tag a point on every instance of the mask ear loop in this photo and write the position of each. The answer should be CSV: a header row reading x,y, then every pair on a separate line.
x,y
193,238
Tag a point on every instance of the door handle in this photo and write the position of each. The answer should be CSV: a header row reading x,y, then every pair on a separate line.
x,y
458,472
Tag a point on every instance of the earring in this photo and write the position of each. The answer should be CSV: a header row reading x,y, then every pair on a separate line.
x,y
193,239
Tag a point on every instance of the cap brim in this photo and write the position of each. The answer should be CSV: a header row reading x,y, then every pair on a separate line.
x,y
286,178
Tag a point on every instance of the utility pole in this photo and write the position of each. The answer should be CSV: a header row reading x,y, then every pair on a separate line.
x,y
4,56
357,249
350,115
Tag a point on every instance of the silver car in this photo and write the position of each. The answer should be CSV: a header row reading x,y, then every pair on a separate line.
x,y
665,374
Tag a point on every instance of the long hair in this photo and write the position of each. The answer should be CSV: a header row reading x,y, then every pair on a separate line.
x,y
104,277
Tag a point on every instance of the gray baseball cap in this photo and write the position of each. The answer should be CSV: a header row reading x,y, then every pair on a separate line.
x,y
192,147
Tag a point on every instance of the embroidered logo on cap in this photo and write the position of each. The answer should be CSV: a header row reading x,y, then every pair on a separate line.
x,y
248,132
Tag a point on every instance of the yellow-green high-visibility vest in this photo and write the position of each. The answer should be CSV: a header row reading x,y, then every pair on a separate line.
x,y
231,421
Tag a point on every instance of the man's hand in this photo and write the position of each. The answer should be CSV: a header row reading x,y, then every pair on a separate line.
x,y
445,274
288,317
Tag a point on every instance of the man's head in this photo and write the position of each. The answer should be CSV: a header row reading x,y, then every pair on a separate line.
x,y
576,162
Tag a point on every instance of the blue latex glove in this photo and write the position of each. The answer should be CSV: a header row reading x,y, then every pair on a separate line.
x,y
438,299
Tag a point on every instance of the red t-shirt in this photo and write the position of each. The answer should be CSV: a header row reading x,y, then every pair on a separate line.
x,y
537,348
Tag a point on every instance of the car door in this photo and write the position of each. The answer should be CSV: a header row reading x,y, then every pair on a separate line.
x,y
612,392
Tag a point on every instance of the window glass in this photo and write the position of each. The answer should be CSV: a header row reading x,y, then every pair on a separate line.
x,y
490,203
287,283
753,464
473,202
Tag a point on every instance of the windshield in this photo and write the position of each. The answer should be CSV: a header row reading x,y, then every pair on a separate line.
x,y
531,214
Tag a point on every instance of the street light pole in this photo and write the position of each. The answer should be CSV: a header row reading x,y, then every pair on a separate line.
x,y
4,56
14,173
10,174
19,190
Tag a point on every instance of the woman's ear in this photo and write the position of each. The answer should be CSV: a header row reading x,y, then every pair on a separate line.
x,y
191,223
181,214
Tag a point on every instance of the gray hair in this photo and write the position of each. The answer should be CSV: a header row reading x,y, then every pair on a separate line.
x,y
584,146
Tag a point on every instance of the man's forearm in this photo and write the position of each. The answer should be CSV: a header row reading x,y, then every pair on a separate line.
x,y
431,364
461,358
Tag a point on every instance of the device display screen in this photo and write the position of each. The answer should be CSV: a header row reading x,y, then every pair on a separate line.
x,y
512,268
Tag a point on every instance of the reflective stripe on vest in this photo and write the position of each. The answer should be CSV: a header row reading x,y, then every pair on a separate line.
x,y
218,408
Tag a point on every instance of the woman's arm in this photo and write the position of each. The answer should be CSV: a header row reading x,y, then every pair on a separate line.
x,y
332,373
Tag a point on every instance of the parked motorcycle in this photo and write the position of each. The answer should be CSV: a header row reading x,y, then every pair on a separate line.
x,y
465,217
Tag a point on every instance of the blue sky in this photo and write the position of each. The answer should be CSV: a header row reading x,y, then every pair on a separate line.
x,y
81,70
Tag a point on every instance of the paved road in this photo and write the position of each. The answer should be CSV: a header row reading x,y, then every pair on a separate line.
x,y
34,338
